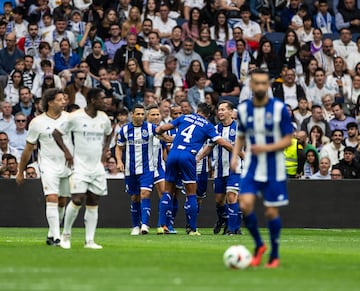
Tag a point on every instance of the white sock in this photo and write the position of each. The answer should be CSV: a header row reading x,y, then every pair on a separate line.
x,y
61,211
52,216
71,213
90,219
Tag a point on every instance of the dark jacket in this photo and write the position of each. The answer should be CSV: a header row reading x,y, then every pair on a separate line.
x,y
122,55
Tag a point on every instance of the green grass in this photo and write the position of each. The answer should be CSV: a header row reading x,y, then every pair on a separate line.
x,y
310,260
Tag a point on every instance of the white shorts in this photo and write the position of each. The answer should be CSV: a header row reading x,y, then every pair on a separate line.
x,y
53,184
83,183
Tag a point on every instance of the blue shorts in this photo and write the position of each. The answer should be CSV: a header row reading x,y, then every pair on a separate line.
x,y
202,182
274,192
135,183
180,163
226,184
160,175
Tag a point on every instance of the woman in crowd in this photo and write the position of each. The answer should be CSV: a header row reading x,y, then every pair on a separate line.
x,y
316,44
135,94
11,90
192,27
205,46
311,165
317,137
167,89
221,31
133,23
194,69
211,69
110,16
112,170
268,60
327,100
212,99
289,46
307,80
151,10
132,67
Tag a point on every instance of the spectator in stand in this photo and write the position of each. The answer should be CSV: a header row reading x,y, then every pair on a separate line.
x,y
112,88
112,171
17,137
127,52
164,25
209,10
189,5
335,149
153,59
297,21
344,46
225,83
185,58
110,16
167,89
44,54
29,74
325,56
6,117
230,45
336,173
192,28
11,90
195,69
221,31
12,166
96,60
268,60
196,93
348,16
132,67
85,41
316,118
133,23
18,24
327,101
114,42
151,10
135,94
340,120
77,91
267,25
290,46
25,105
324,167
30,173
169,71
2,33
302,111
288,13
5,147
289,92
353,59
29,43
352,135
63,10
211,69
316,44
320,88
164,108
305,33
317,138
205,46
348,165
175,41
311,165
306,78
323,19
76,25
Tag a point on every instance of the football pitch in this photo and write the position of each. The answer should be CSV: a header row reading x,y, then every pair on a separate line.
x,y
311,259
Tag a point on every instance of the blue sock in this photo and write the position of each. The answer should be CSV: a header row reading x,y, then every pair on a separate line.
x,y
135,213
158,223
233,210
191,210
145,211
170,222
165,208
274,226
252,226
239,219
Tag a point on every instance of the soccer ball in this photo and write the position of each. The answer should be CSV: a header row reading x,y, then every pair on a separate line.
x,y
237,257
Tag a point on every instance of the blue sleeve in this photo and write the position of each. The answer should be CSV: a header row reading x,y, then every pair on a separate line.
x,y
212,132
58,63
176,121
121,138
285,124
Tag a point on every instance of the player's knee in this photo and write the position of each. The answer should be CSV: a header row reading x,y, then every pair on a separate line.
x,y
271,213
144,194
62,201
78,199
92,199
135,198
220,199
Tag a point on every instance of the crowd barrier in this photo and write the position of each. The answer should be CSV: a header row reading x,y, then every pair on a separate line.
x,y
313,204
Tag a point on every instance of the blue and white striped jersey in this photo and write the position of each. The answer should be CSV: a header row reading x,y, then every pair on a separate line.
x,y
139,140
264,125
222,157
159,162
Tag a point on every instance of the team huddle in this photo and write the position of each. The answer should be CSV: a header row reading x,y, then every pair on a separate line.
x,y
248,156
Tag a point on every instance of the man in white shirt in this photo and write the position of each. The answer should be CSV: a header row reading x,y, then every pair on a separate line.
x,y
6,118
335,149
344,46
163,24
354,58
325,56
320,88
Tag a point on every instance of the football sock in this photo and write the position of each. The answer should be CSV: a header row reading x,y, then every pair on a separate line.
x,y
191,210
90,220
158,223
239,219
175,206
252,225
135,213
71,212
233,210
274,226
61,211
221,211
52,216
145,210
165,208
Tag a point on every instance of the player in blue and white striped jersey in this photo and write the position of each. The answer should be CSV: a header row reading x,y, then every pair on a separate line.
x,y
264,125
226,182
137,137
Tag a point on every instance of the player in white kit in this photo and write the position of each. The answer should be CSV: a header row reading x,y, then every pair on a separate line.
x,y
91,130
52,163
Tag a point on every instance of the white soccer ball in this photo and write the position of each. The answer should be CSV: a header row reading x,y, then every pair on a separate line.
x,y
237,257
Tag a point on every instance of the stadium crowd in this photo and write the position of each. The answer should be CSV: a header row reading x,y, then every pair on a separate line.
x,y
178,54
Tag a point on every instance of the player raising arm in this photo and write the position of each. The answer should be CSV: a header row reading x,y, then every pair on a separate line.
x,y
193,131
265,126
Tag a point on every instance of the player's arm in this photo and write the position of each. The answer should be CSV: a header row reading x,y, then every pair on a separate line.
x,y
237,151
166,138
160,130
25,157
57,135
118,154
106,148
272,147
204,152
225,144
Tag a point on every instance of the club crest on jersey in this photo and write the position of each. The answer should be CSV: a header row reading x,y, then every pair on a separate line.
x,y
232,132
269,118
145,133
250,119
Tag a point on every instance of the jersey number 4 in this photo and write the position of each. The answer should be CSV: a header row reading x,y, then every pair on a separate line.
x,y
187,132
